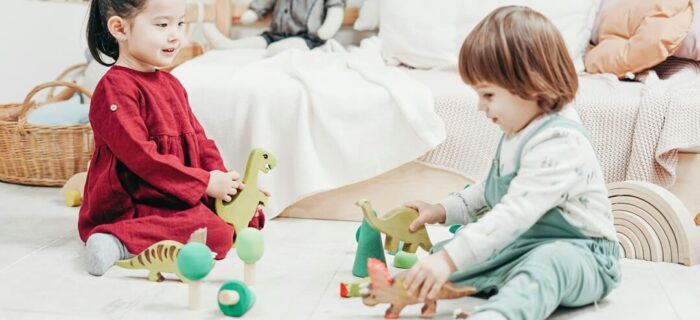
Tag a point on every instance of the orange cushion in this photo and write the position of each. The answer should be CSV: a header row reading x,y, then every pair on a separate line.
x,y
634,35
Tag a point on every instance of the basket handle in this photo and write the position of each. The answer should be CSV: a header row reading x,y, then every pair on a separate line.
x,y
28,103
69,70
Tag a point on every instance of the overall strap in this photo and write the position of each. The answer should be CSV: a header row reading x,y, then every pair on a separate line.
x,y
556,121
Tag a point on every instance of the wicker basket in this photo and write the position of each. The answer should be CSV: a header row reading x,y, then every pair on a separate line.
x,y
43,155
65,94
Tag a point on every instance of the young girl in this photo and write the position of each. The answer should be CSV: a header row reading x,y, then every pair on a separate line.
x,y
546,237
153,169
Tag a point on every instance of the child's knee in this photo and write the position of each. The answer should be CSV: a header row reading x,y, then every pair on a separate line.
x,y
560,254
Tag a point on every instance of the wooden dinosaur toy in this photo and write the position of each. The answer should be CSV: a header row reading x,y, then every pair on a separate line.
x,y
161,257
352,289
385,289
72,190
395,226
241,209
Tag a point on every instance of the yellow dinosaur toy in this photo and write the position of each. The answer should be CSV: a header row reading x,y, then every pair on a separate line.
x,y
162,257
385,289
241,209
395,226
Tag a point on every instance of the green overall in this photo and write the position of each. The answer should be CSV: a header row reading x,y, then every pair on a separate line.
x,y
549,265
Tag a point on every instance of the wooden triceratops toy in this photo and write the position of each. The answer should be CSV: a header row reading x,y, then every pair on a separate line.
x,y
385,289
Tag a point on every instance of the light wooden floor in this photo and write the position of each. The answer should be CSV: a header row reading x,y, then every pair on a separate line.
x,y
42,275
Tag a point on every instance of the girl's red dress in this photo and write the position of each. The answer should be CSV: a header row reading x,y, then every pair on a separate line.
x,y
148,175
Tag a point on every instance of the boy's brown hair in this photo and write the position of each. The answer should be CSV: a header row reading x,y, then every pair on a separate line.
x,y
520,50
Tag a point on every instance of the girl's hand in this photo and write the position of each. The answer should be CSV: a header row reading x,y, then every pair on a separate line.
x,y
265,192
429,275
223,185
427,213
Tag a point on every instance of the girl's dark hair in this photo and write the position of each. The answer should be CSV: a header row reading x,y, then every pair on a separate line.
x,y
98,37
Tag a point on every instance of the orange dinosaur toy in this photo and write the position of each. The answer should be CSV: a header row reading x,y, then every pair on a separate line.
x,y
385,289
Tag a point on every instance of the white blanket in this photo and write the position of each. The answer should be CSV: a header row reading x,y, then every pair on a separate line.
x,y
331,117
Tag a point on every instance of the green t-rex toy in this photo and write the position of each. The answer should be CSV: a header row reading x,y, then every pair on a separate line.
x,y
241,209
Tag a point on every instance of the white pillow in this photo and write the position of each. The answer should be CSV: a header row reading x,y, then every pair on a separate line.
x,y
418,34
430,36
368,16
574,19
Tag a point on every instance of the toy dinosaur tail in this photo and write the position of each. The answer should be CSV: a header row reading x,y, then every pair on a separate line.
x,y
159,252
452,291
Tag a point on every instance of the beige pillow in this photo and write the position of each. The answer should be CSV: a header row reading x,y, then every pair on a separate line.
x,y
634,35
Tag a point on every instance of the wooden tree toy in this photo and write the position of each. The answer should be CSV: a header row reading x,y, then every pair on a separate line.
x,y
241,209
194,262
161,257
395,226
235,298
385,289
357,239
369,245
249,247
405,260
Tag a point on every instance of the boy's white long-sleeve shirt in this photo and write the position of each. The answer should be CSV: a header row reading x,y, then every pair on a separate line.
x,y
558,168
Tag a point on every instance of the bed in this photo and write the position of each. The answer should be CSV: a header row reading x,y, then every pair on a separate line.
x,y
641,131
631,125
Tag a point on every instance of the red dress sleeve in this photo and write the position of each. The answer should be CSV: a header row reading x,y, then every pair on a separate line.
x,y
115,117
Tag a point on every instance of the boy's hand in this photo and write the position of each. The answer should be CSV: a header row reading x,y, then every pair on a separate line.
x,y
427,213
222,185
429,275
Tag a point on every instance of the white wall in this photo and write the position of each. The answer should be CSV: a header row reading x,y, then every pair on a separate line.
x,y
38,40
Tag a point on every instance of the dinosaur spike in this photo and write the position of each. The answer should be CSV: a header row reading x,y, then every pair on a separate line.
x,y
378,273
199,235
